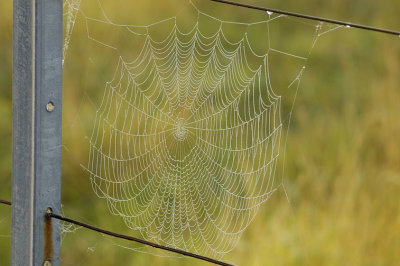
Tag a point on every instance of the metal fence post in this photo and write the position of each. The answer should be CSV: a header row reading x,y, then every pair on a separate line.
x,y
37,90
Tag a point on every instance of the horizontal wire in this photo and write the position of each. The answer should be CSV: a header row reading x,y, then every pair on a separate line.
x,y
292,14
138,240
130,238
6,202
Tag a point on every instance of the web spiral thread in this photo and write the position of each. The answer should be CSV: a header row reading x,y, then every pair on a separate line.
x,y
186,139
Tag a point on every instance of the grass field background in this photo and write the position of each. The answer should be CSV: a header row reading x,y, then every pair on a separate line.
x,y
342,168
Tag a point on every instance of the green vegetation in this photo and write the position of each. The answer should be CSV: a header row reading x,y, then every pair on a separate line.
x,y
342,169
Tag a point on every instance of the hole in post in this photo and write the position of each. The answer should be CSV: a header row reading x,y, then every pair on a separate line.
x,y
50,106
47,263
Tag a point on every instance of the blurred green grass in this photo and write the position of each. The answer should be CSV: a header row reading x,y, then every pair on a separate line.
x,y
342,163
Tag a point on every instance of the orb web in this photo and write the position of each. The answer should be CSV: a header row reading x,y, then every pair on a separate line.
x,y
186,139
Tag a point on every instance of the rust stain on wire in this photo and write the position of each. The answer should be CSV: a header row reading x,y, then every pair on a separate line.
x,y
292,14
48,237
138,240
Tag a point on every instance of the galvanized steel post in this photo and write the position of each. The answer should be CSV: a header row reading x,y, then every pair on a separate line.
x,y
37,90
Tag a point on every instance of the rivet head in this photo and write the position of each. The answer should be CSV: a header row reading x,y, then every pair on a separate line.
x,y
47,263
50,106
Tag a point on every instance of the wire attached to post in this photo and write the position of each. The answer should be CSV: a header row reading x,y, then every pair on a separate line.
x,y
49,214
138,240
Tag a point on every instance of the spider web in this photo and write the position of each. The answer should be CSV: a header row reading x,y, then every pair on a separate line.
x,y
187,136
70,9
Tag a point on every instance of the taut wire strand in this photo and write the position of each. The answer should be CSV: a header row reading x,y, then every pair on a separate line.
x,y
130,238
6,202
138,240
292,14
